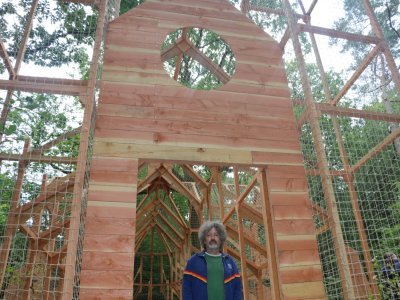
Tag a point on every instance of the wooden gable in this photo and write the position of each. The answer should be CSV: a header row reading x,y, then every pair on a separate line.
x,y
143,114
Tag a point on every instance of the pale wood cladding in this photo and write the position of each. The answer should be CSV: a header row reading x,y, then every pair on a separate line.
x,y
144,114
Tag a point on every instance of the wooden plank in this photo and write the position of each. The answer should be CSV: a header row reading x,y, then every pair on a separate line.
x,y
294,227
190,154
178,96
292,212
109,243
111,294
109,279
299,257
297,172
298,274
116,226
108,261
288,184
198,128
304,290
162,113
297,242
113,177
111,209
279,197
109,192
113,165
270,158
188,140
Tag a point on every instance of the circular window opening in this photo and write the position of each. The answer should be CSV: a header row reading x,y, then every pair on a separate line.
x,y
198,58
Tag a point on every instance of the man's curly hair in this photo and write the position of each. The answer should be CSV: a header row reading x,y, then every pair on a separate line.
x,y
206,227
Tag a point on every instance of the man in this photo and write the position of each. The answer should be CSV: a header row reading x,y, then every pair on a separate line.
x,y
211,274
391,275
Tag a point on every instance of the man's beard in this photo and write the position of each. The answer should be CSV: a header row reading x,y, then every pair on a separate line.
x,y
213,246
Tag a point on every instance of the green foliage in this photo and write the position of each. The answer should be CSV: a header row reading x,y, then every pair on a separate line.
x,y
61,34
126,5
42,118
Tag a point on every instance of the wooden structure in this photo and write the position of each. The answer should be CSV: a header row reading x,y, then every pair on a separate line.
x,y
147,121
145,116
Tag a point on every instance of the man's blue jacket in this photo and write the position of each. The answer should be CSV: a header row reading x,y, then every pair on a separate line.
x,y
195,278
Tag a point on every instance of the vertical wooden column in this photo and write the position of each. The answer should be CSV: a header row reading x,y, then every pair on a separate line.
x,y
89,101
109,245
323,167
12,220
271,237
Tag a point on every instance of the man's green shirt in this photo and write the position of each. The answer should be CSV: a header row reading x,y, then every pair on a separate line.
x,y
215,277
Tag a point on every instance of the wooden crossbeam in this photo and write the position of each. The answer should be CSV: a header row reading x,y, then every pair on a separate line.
x,y
160,217
240,199
32,157
232,232
45,85
374,151
339,34
249,264
363,65
357,113
61,188
251,213
57,140
6,59
167,235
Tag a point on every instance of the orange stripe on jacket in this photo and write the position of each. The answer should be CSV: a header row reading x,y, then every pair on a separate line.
x,y
196,275
231,278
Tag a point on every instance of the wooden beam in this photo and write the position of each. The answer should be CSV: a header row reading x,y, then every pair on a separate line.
x,y
312,6
339,34
240,199
6,59
251,213
57,140
249,264
88,2
45,85
232,232
374,151
172,228
166,234
242,254
363,65
29,157
357,113
270,235
11,224
180,187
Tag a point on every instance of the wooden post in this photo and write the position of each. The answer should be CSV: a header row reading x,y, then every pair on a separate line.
x,y
268,218
73,236
323,167
12,220
243,259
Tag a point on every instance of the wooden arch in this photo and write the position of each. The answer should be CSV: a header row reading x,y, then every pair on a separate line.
x,y
145,116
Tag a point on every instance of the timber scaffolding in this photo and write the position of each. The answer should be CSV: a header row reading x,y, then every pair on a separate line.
x,y
142,183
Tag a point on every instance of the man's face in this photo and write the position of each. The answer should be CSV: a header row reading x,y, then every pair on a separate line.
x,y
212,241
